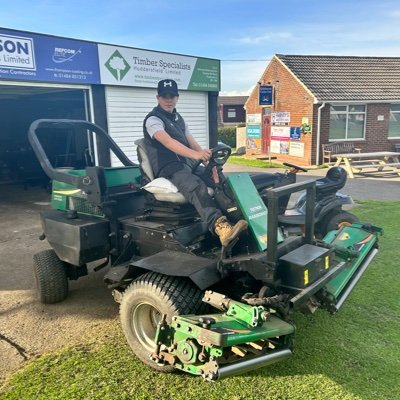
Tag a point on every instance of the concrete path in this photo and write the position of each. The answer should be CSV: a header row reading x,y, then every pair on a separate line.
x,y
27,327
368,187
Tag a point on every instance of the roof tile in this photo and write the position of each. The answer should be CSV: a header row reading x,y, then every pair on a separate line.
x,y
347,78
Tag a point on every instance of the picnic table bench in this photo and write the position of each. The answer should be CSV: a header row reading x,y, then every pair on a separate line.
x,y
355,163
331,150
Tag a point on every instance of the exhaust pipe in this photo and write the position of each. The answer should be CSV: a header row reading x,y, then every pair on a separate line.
x,y
248,365
356,277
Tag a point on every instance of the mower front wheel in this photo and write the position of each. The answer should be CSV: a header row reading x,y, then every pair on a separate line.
x,y
144,303
51,277
335,221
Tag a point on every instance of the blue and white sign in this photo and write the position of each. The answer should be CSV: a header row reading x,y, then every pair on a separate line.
x,y
34,57
253,131
295,133
265,95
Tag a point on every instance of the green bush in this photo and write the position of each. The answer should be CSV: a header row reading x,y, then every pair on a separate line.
x,y
227,135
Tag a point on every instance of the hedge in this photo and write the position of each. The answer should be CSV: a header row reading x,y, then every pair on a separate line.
x,y
227,135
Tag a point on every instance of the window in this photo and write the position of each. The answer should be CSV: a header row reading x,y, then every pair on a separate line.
x,y
394,121
231,113
347,122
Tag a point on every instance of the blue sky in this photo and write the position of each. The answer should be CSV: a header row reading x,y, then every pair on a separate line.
x,y
222,29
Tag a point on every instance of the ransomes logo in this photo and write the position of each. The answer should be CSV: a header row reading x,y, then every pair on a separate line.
x,y
117,65
16,52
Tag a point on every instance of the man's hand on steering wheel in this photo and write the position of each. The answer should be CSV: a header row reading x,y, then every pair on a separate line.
x,y
204,155
218,157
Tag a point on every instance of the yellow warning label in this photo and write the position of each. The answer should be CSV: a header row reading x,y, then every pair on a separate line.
x,y
306,277
344,236
67,192
326,262
263,238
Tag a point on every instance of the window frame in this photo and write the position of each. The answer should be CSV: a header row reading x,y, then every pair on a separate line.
x,y
390,113
347,113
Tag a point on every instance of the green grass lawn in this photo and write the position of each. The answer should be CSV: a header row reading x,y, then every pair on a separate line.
x,y
242,160
354,354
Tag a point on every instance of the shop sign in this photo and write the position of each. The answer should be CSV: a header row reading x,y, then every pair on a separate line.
x,y
253,131
280,118
280,132
296,149
34,57
253,119
134,67
265,95
279,146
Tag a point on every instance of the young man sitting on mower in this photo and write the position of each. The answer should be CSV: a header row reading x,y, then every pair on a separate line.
x,y
169,145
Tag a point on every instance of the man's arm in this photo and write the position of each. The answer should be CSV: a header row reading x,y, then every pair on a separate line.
x,y
193,143
196,153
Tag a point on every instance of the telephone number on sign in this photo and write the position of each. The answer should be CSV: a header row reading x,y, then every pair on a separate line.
x,y
205,85
70,76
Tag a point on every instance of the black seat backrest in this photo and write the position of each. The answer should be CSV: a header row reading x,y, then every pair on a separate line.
x,y
334,180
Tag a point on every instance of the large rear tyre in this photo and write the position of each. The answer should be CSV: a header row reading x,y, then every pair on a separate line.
x,y
143,304
51,277
336,221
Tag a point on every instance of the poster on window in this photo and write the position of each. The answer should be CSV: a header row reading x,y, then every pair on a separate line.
x,y
296,149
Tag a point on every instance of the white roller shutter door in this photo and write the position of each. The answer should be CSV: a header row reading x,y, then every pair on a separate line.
x,y
127,108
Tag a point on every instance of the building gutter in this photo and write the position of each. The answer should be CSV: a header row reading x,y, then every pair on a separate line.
x,y
319,129
316,101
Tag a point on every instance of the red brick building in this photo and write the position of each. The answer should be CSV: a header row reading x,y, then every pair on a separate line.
x,y
322,99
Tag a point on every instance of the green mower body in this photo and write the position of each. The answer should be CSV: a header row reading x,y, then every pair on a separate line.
x,y
187,303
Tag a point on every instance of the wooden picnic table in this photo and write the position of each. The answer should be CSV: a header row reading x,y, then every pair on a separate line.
x,y
354,163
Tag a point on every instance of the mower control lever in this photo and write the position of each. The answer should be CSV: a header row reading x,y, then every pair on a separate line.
x,y
294,168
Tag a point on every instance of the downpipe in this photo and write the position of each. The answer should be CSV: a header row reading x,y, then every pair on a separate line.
x,y
241,367
356,277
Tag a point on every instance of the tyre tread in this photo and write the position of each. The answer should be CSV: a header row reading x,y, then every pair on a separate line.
x,y
51,277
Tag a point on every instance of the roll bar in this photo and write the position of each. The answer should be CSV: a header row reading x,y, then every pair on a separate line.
x,y
41,155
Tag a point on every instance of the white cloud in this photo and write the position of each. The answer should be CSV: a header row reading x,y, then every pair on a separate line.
x,y
394,14
264,38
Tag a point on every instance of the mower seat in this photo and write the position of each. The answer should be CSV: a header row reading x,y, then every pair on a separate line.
x,y
334,180
161,188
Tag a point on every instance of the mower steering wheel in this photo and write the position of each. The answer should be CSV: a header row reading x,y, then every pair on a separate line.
x,y
295,167
219,156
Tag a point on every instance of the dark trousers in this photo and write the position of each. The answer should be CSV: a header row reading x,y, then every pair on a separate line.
x,y
195,192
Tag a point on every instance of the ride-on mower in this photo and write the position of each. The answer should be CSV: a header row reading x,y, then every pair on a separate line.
x,y
185,302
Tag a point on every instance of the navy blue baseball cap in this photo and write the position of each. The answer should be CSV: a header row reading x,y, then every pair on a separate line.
x,y
167,86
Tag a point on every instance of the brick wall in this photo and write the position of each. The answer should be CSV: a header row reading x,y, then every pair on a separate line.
x,y
376,132
290,96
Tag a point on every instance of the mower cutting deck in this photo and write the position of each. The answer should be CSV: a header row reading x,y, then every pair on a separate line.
x,y
187,303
